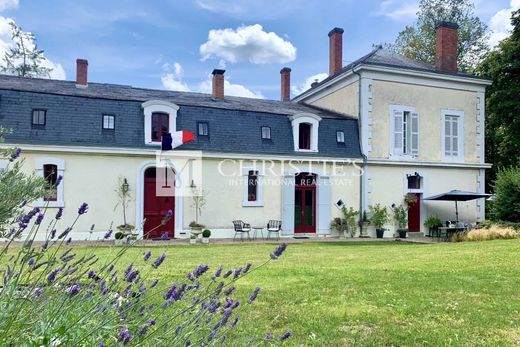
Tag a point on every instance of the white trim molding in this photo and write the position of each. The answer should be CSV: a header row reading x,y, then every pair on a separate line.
x,y
259,202
153,106
60,164
459,115
409,129
308,118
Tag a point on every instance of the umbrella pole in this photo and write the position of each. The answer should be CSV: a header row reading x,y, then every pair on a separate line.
x,y
456,211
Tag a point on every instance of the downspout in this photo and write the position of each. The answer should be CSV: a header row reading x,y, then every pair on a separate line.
x,y
364,157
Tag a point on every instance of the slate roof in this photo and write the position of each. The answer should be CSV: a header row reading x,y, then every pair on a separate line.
x,y
386,58
74,118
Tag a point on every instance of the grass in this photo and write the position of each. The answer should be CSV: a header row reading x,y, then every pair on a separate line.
x,y
370,294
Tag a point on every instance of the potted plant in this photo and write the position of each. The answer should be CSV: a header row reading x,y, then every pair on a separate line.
x,y
119,238
193,239
401,219
379,217
196,228
433,223
124,197
205,235
347,224
363,225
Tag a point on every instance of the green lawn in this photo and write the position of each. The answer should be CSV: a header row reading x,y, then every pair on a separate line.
x,y
372,294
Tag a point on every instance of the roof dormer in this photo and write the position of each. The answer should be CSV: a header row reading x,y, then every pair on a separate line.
x,y
305,132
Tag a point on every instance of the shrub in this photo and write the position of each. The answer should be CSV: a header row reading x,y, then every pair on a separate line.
x,y
494,232
379,215
433,222
506,206
119,235
400,216
206,233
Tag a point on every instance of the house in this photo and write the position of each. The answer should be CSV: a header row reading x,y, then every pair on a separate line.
x,y
421,126
372,132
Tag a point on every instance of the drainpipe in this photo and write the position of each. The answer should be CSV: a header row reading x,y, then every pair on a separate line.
x,y
361,177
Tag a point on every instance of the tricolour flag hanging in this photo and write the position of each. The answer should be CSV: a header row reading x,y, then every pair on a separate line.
x,y
171,141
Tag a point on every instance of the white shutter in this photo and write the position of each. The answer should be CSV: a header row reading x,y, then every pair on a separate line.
x,y
447,135
414,134
455,136
398,132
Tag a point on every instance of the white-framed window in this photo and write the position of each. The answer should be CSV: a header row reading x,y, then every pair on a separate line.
x,y
266,133
253,195
51,169
109,122
305,132
203,128
340,136
404,131
452,134
159,116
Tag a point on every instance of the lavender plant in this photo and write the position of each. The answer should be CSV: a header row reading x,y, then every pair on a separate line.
x,y
52,295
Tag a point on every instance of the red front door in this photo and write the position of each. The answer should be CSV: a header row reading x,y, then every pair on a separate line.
x,y
155,208
414,214
305,203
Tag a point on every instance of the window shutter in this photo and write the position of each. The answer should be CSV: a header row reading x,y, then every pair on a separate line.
x,y
398,132
415,134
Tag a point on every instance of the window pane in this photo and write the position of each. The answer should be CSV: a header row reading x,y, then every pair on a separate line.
x,y
252,184
340,136
50,174
266,132
454,126
203,129
455,146
38,117
305,136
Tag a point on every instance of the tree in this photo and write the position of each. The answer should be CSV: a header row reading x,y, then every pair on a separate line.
x,y
24,58
418,41
502,65
506,206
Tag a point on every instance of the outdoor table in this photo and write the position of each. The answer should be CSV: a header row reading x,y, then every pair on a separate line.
x,y
450,231
256,230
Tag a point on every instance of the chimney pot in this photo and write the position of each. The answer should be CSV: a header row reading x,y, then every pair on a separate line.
x,y
446,42
285,75
218,84
335,50
81,73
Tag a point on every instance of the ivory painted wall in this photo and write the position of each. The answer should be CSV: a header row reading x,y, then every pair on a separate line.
x,y
428,102
344,100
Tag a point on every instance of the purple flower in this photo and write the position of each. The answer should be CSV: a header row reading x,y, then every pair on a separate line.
x,y
154,283
278,251
125,336
73,290
132,275
167,217
129,269
64,233
228,273
253,295
229,291
159,261
69,240
188,342
52,275
237,273
165,236
91,274
268,336
233,323
39,218
31,261
286,335
83,208
248,267
147,255
103,287
108,234
200,270
15,154
59,213
218,272
45,245
110,267
58,181
53,233
38,292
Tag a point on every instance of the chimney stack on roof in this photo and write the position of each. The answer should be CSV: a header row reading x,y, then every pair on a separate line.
x,y
81,73
218,84
446,46
285,74
335,50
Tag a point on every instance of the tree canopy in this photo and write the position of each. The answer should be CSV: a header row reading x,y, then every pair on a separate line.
x,y
418,41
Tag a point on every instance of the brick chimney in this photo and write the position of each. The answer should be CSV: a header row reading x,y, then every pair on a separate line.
x,y
218,84
81,73
285,85
446,46
335,50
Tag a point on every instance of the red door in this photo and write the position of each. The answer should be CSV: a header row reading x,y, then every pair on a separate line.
x,y
155,208
414,214
305,203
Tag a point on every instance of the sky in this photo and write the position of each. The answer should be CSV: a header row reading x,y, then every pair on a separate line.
x,y
176,44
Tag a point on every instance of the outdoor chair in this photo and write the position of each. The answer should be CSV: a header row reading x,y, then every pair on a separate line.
x,y
274,226
241,228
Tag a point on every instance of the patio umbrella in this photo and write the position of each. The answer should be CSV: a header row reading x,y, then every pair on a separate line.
x,y
458,195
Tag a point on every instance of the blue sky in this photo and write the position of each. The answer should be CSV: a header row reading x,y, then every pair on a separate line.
x,y
157,44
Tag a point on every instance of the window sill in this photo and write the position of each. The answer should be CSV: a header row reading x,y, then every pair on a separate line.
x,y
402,157
252,203
306,150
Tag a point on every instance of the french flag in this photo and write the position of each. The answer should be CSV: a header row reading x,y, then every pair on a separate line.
x,y
171,141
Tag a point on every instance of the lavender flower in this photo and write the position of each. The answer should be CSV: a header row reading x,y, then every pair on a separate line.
x,y
188,342
59,213
125,336
159,261
83,208
15,154
228,273
165,236
64,233
253,295
69,240
129,269
58,181
167,217
233,323
31,261
248,267
91,274
229,291
278,251
286,335
237,273
218,272
103,287
147,255
268,336
108,234
52,275
200,270
154,283
132,276
73,290
38,292
39,218
45,245
53,233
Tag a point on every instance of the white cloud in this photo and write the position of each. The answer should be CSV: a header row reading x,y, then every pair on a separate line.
x,y
8,4
397,10
5,43
172,79
297,90
247,43
253,9
500,23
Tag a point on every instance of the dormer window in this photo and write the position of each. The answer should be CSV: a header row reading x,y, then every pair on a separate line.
x,y
305,132
159,118
340,137
160,125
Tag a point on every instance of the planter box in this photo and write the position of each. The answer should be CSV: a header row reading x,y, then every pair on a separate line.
x,y
380,233
193,241
402,233
205,240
